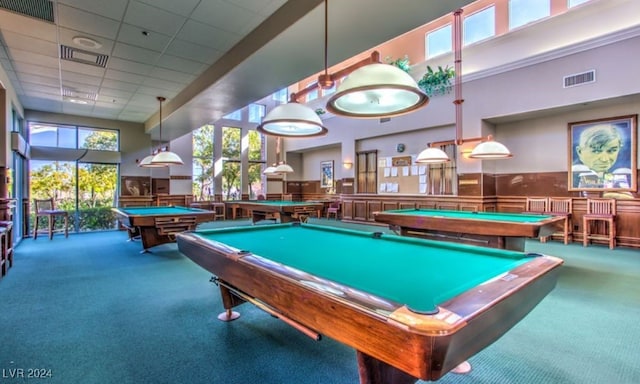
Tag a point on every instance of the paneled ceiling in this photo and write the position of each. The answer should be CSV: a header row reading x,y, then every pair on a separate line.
x,y
111,59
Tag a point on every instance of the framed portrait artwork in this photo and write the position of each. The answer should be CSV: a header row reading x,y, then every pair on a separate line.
x,y
326,174
602,154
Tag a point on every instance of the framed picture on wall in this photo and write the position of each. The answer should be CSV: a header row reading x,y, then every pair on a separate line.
x,y
326,174
602,154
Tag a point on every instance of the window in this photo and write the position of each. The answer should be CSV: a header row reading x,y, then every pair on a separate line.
x,y
49,135
203,180
231,175
98,139
312,95
281,96
479,26
235,115
522,12
256,113
256,164
573,3
328,91
438,41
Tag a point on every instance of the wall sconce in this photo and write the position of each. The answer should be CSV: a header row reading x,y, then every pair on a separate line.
x,y
347,164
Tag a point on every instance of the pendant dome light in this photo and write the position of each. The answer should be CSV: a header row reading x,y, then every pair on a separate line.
x,y
164,157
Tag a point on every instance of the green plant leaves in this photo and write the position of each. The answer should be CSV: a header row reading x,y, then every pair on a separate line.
x,y
436,82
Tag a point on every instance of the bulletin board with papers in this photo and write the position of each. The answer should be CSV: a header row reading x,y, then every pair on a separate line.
x,y
401,175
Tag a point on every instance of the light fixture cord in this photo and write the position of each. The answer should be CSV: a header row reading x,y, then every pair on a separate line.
x,y
457,47
326,37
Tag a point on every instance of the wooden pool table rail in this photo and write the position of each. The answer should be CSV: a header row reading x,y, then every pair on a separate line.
x,y
389,340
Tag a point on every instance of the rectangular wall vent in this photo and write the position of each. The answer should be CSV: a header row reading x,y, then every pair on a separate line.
x,y
385,120
39,9
579,79
82,56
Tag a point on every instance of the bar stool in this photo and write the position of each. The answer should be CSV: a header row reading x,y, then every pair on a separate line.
x,y
45,208
602,211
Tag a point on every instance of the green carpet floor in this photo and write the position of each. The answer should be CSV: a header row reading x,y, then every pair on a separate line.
x,y
92,309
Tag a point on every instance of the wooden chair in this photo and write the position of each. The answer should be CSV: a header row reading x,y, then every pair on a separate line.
x,y
45,209
287,197
536,205
601,213
334,209
220,211
562,207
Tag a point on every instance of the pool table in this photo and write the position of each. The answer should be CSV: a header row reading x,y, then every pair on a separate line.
x,y
489,229
411,308
158,225
285,211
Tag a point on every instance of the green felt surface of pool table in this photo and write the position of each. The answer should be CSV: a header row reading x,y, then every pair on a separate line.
x,y
420,274
412,308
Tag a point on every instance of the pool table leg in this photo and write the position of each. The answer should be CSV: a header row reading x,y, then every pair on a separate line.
x,y
229,300
374,371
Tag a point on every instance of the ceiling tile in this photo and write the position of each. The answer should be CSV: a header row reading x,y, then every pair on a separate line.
x,y
36,69
153,19
162,84
110,94
30,44
36,79
20,56
78,20
151,91
167,74
113,9
129,66
182,7
131,53
119,85
40,88
80,78
124,76
222,15
181,65
203,34
194,52
133,35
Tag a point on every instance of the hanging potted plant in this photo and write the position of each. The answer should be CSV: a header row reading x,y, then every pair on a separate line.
x,y
402,63
437,82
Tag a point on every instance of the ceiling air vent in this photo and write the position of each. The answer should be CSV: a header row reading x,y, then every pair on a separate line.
x,y
579,79
39,9
82,56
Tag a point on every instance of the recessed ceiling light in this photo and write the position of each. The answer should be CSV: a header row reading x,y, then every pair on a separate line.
x,y
86,42
78,101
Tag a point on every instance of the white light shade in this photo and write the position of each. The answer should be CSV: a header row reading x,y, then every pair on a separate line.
x,y
377,90
146,163
292,120
270,170
490,150
432,156
283,168
167,158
